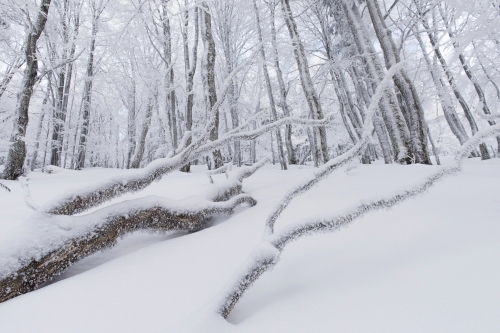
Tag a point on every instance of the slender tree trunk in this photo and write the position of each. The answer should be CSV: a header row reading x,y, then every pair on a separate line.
x,y
141,142
409,94
17,150
305,77
10,72
39,130
391,113
131,124
169,79
451,81
208,76
450,114
87,99
190,67
292,159
272,105
470,75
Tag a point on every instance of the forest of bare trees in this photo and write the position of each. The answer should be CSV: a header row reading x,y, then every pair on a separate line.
x,y
119,83
160,85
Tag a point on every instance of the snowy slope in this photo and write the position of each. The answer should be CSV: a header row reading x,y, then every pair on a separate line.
x,y
431,264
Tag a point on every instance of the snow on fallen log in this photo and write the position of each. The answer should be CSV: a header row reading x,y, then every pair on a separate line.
x,y
93,195
45,245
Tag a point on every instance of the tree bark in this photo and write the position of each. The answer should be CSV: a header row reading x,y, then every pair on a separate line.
x,y
87,97
305,77
391,113
292,159
451,81
417,125
470,75
39,131
208,76
190,67
169,79
272,105
17,150
141,142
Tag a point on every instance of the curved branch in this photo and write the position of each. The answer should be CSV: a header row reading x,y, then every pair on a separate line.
x,y
94,195
266,255
337,162
4,187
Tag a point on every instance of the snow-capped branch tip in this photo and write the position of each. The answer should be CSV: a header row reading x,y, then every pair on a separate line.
x,y
222,169
27,193
274,244
5,187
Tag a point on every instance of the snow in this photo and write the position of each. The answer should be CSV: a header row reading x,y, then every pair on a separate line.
x,y
430,264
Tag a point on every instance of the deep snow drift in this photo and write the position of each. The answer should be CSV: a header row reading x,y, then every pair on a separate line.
x,y
431,264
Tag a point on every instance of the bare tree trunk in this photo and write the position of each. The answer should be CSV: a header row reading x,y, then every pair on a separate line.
x,y
410,96
39,131
292,159
450,114
17,150
470,75
305,77
87,97
190,67
169,79
131,124
363,102
141,142
274,114
208,76
59,116
451,81
391,113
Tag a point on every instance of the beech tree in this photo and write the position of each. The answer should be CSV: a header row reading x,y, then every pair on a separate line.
x,y
17,151
163,85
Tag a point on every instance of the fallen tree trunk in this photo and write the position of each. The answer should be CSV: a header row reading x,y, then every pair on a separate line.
x,y
46,245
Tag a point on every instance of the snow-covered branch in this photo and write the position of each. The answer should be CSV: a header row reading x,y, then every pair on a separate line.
x,y
267,253
337,162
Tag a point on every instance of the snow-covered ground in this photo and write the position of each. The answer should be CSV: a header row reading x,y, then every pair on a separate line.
x,y
431,264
